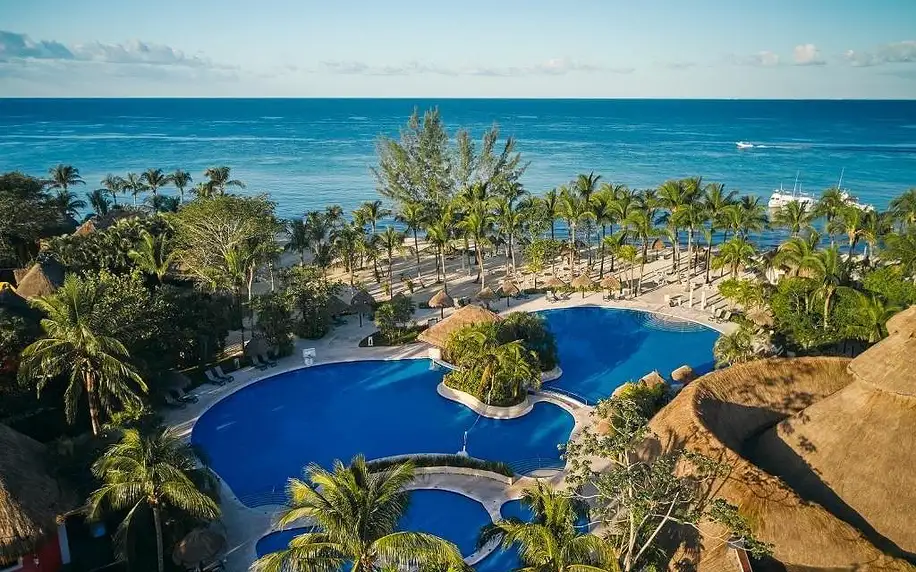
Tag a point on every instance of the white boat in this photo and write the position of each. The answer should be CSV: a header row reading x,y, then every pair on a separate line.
x,y
781,198
744,145
848,198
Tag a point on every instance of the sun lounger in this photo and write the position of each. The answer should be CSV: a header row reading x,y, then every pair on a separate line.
x,y
213,378
182,397
550,296
264,361
171,402
220,374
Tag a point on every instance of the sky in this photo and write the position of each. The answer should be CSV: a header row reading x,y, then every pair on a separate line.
x,y
470,48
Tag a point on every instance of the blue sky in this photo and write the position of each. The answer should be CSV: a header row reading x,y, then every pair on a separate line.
x,y
471,48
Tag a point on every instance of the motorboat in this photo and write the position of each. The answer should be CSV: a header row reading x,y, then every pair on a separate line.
x,y
781,197
744,145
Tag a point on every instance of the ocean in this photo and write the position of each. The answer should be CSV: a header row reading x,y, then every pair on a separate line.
x,y
307,153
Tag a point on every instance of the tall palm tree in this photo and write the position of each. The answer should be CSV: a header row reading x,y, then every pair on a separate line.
x,y
73,346
551,542
218,178
154,179
133,184
157,473
752,216
99,202
298,238
829,205
347,243
574,210
829,271
476,224
154,255
181,179
551,201
672,196
734,254
869,315
904,208
509,219
113,185
67,203
372,212
162,203
901,249
849,220
794,252
391,241
794,216
602,204
585,186
356,514
875,228
413,215
640,223
63,177
437,234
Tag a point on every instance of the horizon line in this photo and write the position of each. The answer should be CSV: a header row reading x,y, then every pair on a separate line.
x,y
451,98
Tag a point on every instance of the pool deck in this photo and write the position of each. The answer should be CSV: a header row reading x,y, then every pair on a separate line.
x,y
244,526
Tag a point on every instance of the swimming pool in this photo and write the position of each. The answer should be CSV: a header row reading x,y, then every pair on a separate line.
x,y
600,349
448,515
265,433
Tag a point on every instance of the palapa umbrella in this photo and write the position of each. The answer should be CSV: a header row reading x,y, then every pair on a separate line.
x,y
582,283
486,294
509,289
610,283
336,306
657,246
199,547
362,303
556,283
441,300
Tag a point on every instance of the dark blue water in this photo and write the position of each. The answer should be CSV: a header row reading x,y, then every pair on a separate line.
x,y
265,433
310,152
601,349
447,515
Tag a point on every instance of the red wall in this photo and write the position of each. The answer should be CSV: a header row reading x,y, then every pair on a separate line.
x,y
48,558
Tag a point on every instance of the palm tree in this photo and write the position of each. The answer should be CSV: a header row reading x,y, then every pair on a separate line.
x,y
875,228
162,203
391,241
372,212
602,204
794,217
218,178
574,210
849,220
641,224
181,179
870,314
154,255
113,185
347,243
298,238
509,219
734,254
356,514
734,348
672,195
476,224
794,252
157,473
829,271
133,183
901,248
752,215
67,203
154,179
74,346
437,234
413,215
99,202
585,186
63,177
551,542
551,200
904,208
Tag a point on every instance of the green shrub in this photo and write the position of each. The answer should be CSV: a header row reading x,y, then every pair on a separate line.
x,y
443,461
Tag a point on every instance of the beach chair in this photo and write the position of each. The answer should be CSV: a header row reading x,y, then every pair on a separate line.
x,y
213,378
219,373
172,402
550,296
263,361
181,396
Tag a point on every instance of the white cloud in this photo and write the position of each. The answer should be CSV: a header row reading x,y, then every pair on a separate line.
x,y
807,55
895,53
553,66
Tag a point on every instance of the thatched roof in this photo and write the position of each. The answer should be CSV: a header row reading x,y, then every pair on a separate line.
x,y
610,282
720,415
554,282
852,451
42,279
583,282
86,228
652,379
31,500
336,306
657,245
439,333
486,294
362,301
441,299
683,374
509,288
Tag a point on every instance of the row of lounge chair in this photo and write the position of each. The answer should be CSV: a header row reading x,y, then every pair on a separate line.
x,y
552,296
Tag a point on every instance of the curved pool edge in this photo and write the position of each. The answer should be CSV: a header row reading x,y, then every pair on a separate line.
x,y
481,408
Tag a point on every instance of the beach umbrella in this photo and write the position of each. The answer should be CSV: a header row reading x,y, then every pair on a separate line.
x,y
582,283
486,294
441,300
198,547
657,246
509,288
610,283
362,303
556,283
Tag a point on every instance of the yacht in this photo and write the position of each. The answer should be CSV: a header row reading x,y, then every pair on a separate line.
x,y
848,198
781,198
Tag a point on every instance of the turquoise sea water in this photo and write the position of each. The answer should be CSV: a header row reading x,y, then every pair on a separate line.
x,y
310,152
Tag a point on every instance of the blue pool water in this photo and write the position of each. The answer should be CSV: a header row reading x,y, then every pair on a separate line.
x,y
600,349
448,515
265,433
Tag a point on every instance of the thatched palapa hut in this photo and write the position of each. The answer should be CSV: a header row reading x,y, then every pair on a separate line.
x,y
31,501
42,279
441,300
556,283
438,334
582,283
